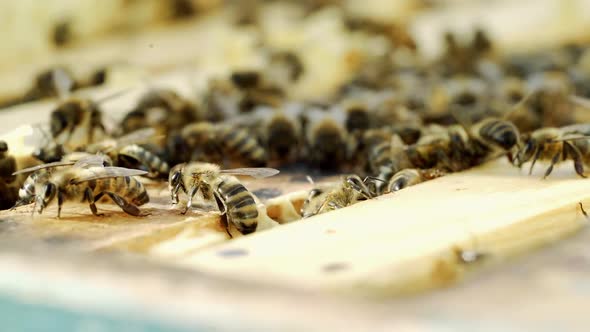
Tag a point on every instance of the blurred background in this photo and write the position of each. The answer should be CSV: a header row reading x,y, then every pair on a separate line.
x,y
215,36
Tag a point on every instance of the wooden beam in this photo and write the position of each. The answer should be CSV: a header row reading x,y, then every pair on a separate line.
x,y
408,241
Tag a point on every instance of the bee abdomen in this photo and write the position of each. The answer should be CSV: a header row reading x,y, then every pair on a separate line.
x,y
241,206
240,142
146,158
499,132
379,155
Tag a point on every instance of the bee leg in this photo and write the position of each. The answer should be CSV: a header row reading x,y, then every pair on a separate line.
x,y
191,194
359,188
174,194
537,155
335,206
554,161
446,161
60,202
125,206
224,217
577,157
92,201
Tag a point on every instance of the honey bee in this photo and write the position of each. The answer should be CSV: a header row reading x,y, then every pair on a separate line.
x,y
208,141
88,180
162,109
26,193
125,153
76,123
351,190
8,189
255,89
412,176
327,142
285,66
236,204
54,82
556,145
279,132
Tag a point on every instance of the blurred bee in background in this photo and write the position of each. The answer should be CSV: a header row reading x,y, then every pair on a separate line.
x,y
8,182
236,204
55,82
206,141
278,130
412,176
255,89
327,141
556,145
162,109
125,152
88,180
284,67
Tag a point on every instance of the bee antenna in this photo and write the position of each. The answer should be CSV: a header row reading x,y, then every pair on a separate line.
x,y
112,96
521,102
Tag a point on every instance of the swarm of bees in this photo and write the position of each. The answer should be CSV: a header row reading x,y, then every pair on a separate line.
x,y
393,125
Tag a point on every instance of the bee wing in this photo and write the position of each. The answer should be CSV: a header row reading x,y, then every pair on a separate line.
x,y
95,173
111,96
138,136
572,137
95,160
63,83
48,165
520,103
135,137
255,172
580,101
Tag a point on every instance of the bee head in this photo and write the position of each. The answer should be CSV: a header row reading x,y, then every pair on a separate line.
x,y
47,194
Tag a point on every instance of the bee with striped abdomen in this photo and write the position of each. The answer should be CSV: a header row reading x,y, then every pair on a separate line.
x,y
206,141
88,180
124,152
327,141
236,204
8,182
41,173
556,145
161,109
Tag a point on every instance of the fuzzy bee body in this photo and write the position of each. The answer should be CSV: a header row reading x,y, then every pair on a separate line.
x,y
86,180
327,145
135,156
76,123
236,204
351,190
556,145
239,203
208,142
